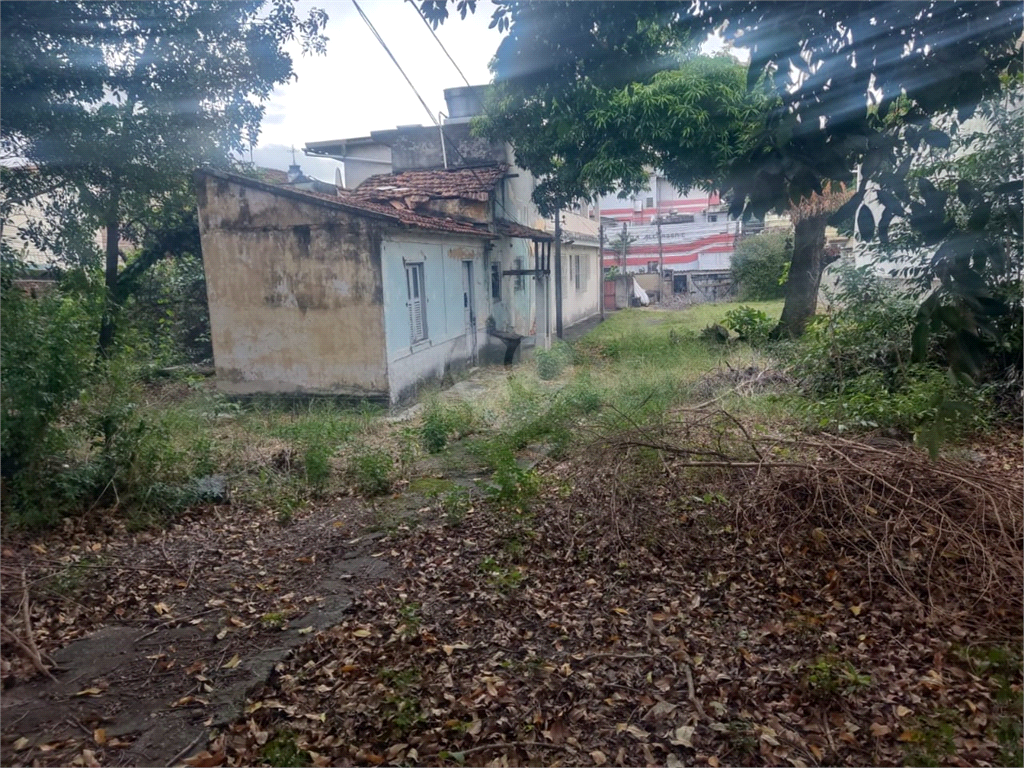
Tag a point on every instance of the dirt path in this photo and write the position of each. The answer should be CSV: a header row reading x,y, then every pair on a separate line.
x,y
173,629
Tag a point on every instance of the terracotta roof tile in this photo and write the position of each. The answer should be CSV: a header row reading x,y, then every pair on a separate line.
x,y
352,204
465,183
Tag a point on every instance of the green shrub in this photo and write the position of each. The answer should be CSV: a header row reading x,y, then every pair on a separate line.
x,y
751,325
445,420
47,350
854,365
316,461
760,265
551,362
371,471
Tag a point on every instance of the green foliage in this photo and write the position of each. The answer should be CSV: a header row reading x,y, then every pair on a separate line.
x,y
443,420
501,577
962,246
167,311
112,110
855,366
830,677
282,751
372,472
46,357
317,463
752,325
455,505
551,362
760,266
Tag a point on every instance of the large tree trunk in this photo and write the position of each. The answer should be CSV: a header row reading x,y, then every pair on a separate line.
x,y
804,277
107,325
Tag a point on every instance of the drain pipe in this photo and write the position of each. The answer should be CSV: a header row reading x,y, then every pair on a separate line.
x,y
444,152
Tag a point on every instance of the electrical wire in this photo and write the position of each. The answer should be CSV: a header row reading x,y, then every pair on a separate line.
x,y
434,35
389,53
424,103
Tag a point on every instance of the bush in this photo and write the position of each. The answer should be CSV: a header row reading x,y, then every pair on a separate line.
x,y
854,363
371,471
760,265
47,350
442,421
751,325
551,362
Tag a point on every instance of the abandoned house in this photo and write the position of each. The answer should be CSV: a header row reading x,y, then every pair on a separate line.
x,y
434,265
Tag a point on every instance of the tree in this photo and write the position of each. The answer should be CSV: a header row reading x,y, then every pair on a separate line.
x,y
110,106
830,88
968,261
760,265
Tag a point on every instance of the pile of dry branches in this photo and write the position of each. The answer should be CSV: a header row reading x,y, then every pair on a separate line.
x,y
946,534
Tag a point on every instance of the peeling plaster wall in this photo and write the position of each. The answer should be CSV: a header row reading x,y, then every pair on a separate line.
x,y
448,344
295,292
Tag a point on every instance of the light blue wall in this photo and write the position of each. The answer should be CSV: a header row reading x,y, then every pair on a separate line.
x,y
446,343
515,312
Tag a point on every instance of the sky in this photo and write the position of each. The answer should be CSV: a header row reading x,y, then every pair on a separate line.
x,y
355,88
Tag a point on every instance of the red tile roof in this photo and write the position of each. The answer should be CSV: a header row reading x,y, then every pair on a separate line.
x,y
349,203
420,186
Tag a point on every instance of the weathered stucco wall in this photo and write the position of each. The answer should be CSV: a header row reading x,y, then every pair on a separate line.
x,y
579,303
449,332
295,291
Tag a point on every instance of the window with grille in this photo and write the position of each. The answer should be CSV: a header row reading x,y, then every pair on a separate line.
x,y
417,299
496,281
577,260
520,279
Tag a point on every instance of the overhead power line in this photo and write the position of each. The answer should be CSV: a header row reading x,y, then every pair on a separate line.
x,y
425,107
434,35
388,50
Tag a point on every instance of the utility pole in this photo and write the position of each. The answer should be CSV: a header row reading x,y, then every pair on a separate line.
x,y
600,264
558,272
625,245
661,264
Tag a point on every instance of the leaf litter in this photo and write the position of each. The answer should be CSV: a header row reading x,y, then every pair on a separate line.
x,y
809,604
679,615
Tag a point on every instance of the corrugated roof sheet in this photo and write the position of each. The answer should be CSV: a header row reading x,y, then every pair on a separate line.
x,y
419,186
352,204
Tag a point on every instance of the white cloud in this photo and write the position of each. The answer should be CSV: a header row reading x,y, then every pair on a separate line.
x,y
355,88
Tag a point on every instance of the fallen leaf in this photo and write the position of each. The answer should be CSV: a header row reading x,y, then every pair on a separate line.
x,y
21,744
660,709
161,608
598,757
674,762
232,663
637,732
902,711
206,760
361,633
856,609
713,762
100,736
89,692
878,730
682,736
89,758
305,630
